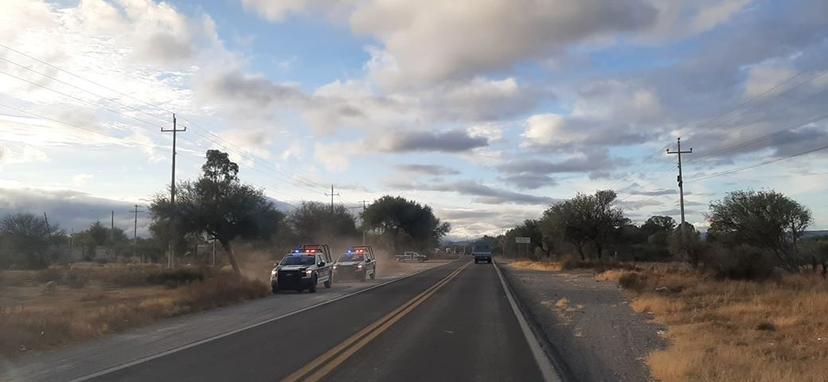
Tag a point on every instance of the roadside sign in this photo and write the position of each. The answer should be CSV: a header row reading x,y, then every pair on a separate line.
x,y
522,240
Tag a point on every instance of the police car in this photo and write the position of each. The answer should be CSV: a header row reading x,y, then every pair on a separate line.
x,y
303,268
357,263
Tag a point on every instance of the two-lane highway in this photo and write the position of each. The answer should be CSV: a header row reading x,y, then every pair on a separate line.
x,y
454,322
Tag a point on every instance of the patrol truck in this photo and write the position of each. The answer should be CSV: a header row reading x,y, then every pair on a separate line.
x,y
303,268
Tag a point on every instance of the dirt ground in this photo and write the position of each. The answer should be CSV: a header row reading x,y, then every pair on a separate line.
x,y
592,331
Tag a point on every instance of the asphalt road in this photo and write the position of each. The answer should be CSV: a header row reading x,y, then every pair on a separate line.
x,y
453,322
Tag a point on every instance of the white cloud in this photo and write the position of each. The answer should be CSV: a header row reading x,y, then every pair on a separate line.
x,y
763,78
432,41
548,129
81,179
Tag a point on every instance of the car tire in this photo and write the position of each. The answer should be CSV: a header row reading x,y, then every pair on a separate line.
x,y
312,288
373,275
328,283
274,289
490,261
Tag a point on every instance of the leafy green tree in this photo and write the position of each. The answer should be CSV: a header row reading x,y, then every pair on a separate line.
x,y
405,221
657,224
218,205
764,219
27,240
314,221
530,228
691,246
586,219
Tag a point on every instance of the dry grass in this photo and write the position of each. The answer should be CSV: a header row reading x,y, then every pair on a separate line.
x,y
109,300
529,265
735,330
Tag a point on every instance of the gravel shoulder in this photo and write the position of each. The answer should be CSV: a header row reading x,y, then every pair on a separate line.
x,y
588,326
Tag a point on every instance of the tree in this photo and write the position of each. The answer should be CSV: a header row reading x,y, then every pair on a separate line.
x,y
27,239
690,245
586,219
529,228
765,219
218,205
99,235
313,221
656,224
405,221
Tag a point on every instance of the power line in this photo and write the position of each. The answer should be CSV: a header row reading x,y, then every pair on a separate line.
x,y
767,162
762,137
300,184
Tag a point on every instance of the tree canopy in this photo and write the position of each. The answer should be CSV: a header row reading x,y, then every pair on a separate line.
x,y
218,205
765,219
26,240
405,222
314,221
585,219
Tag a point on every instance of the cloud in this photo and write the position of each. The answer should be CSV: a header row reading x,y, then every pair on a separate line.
x,y
446,141
423,42
426,169
81,179
534,173
482,193
244,91
529,181
71,210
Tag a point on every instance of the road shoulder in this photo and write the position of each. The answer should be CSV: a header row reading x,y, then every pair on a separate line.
x,y
587,325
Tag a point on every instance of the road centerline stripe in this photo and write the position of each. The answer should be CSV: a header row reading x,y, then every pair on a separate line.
x,y
325,363
165,353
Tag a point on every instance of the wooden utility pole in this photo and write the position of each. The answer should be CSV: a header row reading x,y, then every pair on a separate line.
x,y
112,234
680,181
135,212
332,196
173,221
363,220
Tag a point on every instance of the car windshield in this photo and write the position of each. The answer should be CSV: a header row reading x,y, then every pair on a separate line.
x,y
351,257
294,259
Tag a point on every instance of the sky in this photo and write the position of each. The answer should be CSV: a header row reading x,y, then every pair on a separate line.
x,y
487,110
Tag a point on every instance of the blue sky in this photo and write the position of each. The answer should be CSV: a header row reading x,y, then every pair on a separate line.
x,y
488,111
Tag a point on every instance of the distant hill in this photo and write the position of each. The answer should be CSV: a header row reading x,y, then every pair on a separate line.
x,y
817,233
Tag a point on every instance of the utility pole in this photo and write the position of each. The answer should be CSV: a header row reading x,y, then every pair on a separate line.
x,y
135,212
213,258
332,196
112,233
46,220
680,181
363,220
173,221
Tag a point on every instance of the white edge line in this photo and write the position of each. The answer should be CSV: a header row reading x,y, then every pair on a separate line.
x,y
544,364
236,331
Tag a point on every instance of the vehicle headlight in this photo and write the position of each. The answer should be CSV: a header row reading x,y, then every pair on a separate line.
x,y
274,272
335,266
308,273
359,266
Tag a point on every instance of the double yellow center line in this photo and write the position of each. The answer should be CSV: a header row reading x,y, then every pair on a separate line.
x,y
325,363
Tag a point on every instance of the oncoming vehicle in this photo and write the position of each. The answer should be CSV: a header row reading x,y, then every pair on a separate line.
x,y
410,256
358,262
482,252
303,268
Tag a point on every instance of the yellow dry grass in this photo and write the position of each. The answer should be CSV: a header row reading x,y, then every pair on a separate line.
x,y
36,317
536,265
737,330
